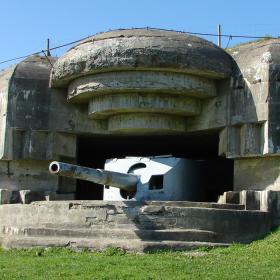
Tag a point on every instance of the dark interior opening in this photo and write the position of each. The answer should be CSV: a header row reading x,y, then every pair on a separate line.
x,y
127,194
156,182
215,177
203,147
86,190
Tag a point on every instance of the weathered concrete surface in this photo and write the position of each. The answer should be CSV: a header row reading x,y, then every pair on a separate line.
x,y
257,174
268,201
141,49
251,200
81,89
147,123
26,174
83,223
37,126
8,196
104,106
142,81
253,112
4,92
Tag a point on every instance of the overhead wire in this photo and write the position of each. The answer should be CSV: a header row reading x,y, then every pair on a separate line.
x,y
184,32
47,57
43,51
229,39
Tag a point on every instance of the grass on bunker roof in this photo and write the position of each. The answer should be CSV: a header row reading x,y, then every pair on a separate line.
x,y
258,260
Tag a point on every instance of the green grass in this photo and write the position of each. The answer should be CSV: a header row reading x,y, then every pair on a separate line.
x,y
253,42
258,260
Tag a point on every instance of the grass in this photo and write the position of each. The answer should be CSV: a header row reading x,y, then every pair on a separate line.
x,y
253,42
258,260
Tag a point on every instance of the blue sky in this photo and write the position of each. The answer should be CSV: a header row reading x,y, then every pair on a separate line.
x,y
25,24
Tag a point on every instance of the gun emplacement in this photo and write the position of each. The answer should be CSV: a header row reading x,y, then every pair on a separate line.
x,y
119,180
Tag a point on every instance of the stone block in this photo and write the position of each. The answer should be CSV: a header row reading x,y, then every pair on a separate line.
x,y
9,196
15,198
270,202
232,197
50,195
5,196
28,196
222,199
251,199
229,197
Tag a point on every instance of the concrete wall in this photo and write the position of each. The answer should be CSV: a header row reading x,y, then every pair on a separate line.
x,y
38,126
257,174
142,82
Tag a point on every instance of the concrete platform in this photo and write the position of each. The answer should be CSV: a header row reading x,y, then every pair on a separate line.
x,y
131,225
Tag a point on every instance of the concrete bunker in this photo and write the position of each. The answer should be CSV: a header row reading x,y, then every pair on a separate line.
x,y
150,89
142,93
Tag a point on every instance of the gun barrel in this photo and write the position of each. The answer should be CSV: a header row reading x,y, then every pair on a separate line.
x,y
123,181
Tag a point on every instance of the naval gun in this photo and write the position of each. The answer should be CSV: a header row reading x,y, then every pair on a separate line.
x,y
126,182
139,178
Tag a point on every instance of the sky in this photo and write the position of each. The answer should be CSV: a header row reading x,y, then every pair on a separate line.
x,y
26,24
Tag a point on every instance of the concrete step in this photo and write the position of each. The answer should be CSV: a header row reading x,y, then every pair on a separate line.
x,y
155,235
197,204
131,203
234,225
162,220
134,245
